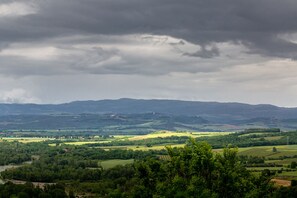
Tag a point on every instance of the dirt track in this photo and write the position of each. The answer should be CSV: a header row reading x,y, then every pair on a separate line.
x,y
281,182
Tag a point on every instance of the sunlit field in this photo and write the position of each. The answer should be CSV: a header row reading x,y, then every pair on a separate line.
x,y
25,139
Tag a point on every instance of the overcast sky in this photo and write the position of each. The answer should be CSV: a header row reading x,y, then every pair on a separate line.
x,y
54,51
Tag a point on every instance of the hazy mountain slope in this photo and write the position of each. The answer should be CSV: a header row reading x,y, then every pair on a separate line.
x,y
146,115
210,110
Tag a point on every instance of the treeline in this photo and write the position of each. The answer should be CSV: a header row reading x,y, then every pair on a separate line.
x,y
145,142
262,130
10,190
242,139
42,172
100,154
69,166
250,140
17,153
69,163
238,139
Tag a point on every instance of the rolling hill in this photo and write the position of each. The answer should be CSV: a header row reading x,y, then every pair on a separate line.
x,y
154,114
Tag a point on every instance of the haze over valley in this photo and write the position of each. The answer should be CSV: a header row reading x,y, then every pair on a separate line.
x,y
146,116
148,98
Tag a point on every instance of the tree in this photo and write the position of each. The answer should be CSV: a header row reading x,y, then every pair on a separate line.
x,y
293,165
195,170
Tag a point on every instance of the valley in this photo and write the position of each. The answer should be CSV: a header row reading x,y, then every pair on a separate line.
x,y
70,158
86,149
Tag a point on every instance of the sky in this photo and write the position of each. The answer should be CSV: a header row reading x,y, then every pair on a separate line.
x,y
56,51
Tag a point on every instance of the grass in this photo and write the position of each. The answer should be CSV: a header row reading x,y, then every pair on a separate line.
x,y
85,142
272,138
289,174
250,134
163,134
157,135
158,147
122,136
266,151
141,148
283,175
262,168
282,162
25,139
112,163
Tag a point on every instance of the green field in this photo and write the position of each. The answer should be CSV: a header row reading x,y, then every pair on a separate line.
x,y
266,151
263,168
282,173
106,164
285,162
288,175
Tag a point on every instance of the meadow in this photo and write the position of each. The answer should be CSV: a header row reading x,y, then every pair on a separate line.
x,y
106,164
25,139
163,134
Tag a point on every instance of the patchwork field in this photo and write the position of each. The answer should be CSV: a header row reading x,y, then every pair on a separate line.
x,y
282,155
162,134
266,151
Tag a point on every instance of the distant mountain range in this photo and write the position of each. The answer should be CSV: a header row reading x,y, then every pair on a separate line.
x,y
136,106
177,114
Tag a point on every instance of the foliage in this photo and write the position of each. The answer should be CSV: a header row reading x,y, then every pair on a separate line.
x,y
65,162
9,190
293,165
16,152
241,140
189,171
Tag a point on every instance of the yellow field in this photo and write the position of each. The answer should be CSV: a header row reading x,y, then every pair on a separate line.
x,y
163,134
85,142
122,136
26,140
142,148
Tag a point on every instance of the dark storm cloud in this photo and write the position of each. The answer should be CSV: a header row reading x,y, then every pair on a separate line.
x,y
254,23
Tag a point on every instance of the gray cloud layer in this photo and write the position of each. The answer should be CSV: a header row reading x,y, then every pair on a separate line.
x,y
208,44
254,23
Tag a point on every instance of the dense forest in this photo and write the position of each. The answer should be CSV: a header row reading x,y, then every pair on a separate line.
x,y
10,190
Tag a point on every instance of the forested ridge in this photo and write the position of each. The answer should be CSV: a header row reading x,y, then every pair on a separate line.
x,y
126,116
